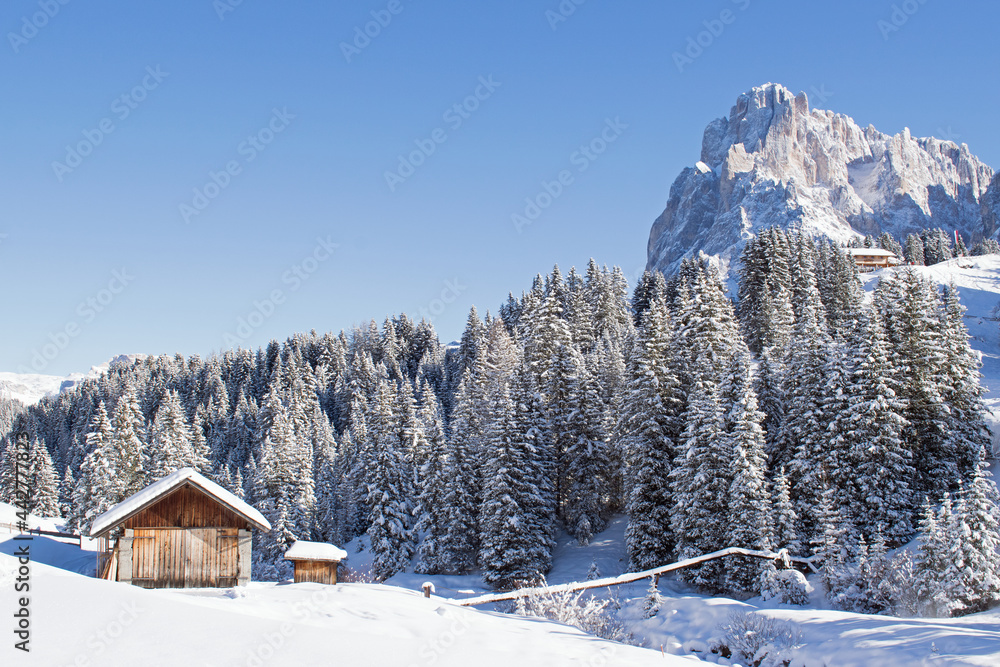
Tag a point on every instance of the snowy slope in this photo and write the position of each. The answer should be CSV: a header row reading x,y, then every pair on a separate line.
x,y
79,620
688,623
775,162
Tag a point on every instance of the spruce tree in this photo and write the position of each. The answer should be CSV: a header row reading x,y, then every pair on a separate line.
x,y
128,436
434,478
390,492
647,423
515,550
747,511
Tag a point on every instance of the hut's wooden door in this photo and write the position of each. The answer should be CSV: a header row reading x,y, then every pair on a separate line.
x,y
144,557
229,556
171,552
201,557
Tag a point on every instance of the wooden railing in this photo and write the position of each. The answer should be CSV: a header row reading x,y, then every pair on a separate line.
x,y
38,531
630,577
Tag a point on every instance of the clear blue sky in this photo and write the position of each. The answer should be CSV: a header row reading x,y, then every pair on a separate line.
x,y
196,86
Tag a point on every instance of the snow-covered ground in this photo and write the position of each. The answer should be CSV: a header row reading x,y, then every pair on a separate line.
x,y
79,620
688,623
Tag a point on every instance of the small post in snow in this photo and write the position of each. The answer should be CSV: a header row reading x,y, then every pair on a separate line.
x,y
428,589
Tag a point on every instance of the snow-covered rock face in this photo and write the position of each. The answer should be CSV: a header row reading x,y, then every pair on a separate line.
x,y
775,162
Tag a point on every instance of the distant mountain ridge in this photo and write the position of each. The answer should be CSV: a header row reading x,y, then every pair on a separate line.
x,y
775,162
29,388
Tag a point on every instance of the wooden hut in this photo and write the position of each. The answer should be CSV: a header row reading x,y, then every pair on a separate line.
x,y
315,561
184,531
872,259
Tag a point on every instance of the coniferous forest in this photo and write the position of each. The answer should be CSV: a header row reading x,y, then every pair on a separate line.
x,y
797,414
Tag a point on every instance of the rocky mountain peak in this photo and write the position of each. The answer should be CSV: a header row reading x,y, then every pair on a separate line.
x,y
775,161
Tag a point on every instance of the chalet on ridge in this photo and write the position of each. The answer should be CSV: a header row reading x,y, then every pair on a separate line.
x,y
871,259
184,531
315,562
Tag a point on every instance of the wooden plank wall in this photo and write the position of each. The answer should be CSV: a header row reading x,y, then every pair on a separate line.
x,y
185,557
186,507
319,572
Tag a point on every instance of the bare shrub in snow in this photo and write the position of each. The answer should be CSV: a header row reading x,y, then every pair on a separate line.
x,y
347,575
586,613
757,639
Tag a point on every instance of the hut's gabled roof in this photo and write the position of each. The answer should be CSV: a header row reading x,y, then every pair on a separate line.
x,y
157,490
303,550
870,252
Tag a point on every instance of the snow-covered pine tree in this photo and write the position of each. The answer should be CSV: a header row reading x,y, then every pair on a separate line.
x,y
43,483
98,486
170,443
962,390
129,438
434,476
275,492
516,549
748,517
586,462
913,251
390,490
802,443
783,517
648,421
701,480
914,332
460,543
980,542
651,286
931,562
874,478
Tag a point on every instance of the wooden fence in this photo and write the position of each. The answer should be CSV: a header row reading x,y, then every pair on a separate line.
x,y
38,531
630,577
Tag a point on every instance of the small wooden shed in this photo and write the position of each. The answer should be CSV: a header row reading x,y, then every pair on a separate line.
x,y
315,562
184,531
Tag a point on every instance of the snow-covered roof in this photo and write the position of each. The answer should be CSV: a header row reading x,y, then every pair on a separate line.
x,y
157,490
871,252
303,550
